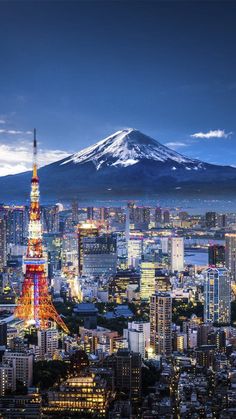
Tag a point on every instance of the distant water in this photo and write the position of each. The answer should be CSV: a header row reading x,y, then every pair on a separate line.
x,y
196,258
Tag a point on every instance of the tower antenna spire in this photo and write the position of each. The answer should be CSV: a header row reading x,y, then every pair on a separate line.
x,y
35,156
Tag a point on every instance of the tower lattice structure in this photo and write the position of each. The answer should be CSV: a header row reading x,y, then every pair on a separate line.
x,y
35,305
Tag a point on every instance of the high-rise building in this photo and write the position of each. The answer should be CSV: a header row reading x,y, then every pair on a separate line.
x,y
123,279
230,254
86,229
134,252
50,218
17,224
22,364
176,253
128,373
217,295
90,213
7,379
99,255
158,215
47,343
3,243
166,217
161,323
216,255
147,282
75,212
135,340
211,219
53,248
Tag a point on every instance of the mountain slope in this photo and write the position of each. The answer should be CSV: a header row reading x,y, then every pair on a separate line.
x,y
124,165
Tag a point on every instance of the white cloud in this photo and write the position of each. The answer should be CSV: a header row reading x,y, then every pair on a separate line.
x,y
175,145
217,133
14,131
17,157
2,121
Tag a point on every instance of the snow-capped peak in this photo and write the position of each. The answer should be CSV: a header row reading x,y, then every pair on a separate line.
x,y
125,148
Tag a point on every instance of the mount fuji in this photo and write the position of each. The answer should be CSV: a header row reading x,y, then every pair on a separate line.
x,y
127,164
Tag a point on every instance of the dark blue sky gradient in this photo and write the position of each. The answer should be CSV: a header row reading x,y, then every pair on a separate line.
x,y
80,70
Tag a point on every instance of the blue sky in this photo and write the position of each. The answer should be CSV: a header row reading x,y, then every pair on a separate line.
x,y
78,71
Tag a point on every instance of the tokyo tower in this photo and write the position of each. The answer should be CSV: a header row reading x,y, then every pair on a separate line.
x,y
35,305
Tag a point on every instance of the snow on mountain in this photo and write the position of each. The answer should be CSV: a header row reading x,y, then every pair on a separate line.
x,y
126,148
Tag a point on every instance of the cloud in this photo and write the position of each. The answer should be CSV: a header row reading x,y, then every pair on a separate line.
x,y
175,145
17,157
2,121
217,133
13,131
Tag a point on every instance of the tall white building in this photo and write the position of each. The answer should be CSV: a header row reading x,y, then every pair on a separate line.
x,y
143,327
176,253
217,295
230,254
136,341
134,253
22,364
147,281
47,343
161,323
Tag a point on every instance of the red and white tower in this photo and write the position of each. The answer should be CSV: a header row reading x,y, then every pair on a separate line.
x,y
35,304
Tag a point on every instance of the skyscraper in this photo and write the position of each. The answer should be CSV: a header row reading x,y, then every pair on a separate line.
x,y
211,219
176,253
217,293
160,323
216,255
86,229
230,254
147,282
134,252
3,243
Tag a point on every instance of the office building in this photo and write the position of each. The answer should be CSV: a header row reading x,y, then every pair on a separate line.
x,y
211,219
216,255
47,343
53,247
3,243
230,254
50,218
217,295
176,254
128,373
134,253
7,379
161,323
99,255
147,281
22,364
86,229
121,281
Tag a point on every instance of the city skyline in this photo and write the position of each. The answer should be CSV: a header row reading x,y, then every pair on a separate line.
x,y
80,71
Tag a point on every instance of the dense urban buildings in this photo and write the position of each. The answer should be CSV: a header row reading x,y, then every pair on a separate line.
x,y
116,311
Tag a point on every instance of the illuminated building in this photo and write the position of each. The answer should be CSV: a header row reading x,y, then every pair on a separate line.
x,y
81,394
211,219
53,247
21,407
134,253
17,224
7,379
217,293
158,215
128,373
135,340
147,282
230,254
90,213
3,243
160,323
75,212
47,343
99,255
121,281
166,217
176,253
22,364
216,255
50,218
35,305
86,229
